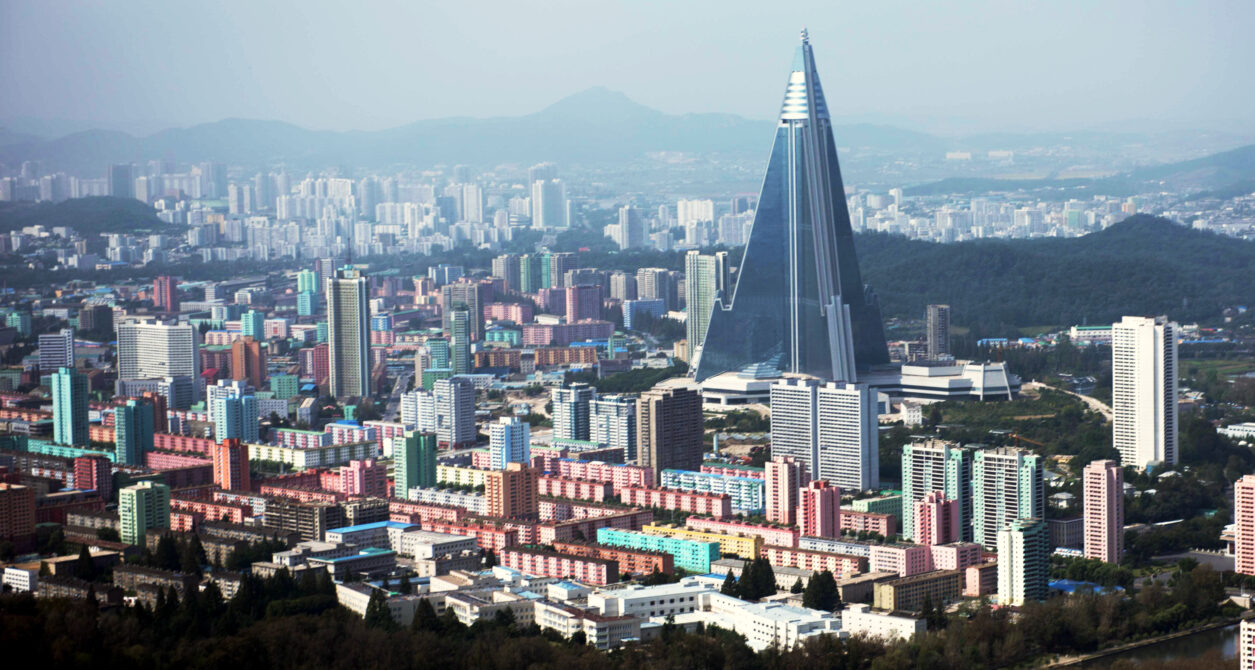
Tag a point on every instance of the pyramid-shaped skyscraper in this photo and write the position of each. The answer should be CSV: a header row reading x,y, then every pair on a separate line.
x,y
799,305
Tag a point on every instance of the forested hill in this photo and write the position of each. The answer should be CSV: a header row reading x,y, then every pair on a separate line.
x,y
87,216
1143,265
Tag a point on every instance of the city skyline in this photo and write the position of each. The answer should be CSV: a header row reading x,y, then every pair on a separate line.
x,y
979,79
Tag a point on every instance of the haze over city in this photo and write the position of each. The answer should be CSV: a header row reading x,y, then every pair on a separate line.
x,y
944,68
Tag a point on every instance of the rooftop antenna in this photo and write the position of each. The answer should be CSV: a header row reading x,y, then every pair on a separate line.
x,y
806,38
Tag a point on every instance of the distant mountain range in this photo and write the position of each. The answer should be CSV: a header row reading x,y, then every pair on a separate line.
x,y
1228,173
594,126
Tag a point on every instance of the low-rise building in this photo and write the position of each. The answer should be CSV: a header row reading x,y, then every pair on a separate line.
x,y
534,561
688,554
746,546
909,593
601,631
650,601
840,565
861,619
368,561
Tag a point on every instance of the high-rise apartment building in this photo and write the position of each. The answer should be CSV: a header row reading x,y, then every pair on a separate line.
x,y
465,294
612,422
507,267
622,286
17,514
819,510
583,302
670,429
133,429
549,204
166,294
248,362
94,473
253,324
56,350
151,350
460,329
571,407
231,471
69,408
799,302
1246,644
1144,390
1104,511
830,428
936,466
509,441
141,507
511,493
631,231
122,180
1007,486
233,411
783,479
348,320
1023,547
454,406
938,319
414,462
655,284
936,520
1244,525
706,278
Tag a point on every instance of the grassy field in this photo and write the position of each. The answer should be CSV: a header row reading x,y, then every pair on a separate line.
x,y
1223,367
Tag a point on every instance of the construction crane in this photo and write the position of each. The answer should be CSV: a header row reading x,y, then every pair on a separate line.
x,y
1017,437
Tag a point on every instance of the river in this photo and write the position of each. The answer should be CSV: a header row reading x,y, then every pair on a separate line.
x,y
1226,639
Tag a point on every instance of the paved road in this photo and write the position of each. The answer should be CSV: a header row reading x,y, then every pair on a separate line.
x,y
393,411
1094,404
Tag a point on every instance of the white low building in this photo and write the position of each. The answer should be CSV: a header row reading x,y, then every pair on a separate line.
x,y
1239,431
764,625
862,620
355,596
650,601
601,631
21,580
424,544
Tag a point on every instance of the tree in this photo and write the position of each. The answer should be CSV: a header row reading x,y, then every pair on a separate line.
x,y
189,562
797,586
84,567
108,535
377,613
167,555
579,639
821,592
729,587
8,551
504,618
425,617
758,580
933,615
406,587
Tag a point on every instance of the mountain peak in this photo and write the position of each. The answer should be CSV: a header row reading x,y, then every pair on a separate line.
x,y
599,102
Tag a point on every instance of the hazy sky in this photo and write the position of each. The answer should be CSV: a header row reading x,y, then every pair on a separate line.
x,y
952,66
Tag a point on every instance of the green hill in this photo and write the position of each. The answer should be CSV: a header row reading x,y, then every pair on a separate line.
x,y
87,216
1144,265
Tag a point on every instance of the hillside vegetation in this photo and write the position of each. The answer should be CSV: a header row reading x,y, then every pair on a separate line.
x,y
1144,265
87,216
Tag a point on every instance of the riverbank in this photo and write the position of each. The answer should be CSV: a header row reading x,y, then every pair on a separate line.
x,y
1076,661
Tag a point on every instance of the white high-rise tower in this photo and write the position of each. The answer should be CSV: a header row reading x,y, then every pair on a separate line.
x,y
1144,390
